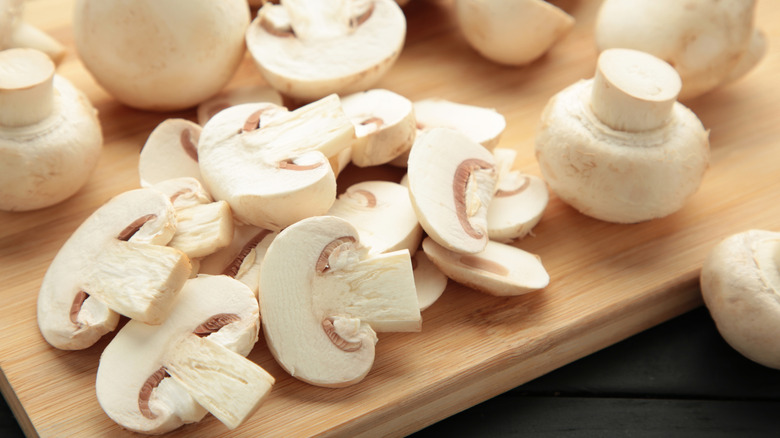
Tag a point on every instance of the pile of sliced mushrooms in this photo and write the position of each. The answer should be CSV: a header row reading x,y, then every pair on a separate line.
x,y
237,227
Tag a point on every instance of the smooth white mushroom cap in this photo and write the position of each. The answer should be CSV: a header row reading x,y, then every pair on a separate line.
x,y
482,125
171,151
161,55
309,49
740,284
428,279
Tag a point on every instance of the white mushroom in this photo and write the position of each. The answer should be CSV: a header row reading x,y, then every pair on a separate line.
x,y
279,173
115,261
384,126
16,33
237,96
429,281
740,283
50,136
619,147
308,49
708,42
322,297
161,55
382,213
171,151
451,183
502,270
153,379
512,32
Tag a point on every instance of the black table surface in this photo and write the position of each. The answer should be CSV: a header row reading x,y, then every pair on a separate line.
x,y
676,379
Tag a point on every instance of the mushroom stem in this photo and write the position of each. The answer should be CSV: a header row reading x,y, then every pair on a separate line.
x,y
26,87
26,35
633,91
318,19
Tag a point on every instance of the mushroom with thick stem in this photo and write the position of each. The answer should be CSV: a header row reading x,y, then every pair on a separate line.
x,y
322,296
707,42
512,32
115,261
153,379
50,136
740,284
451,183
279,173
161,55
308,49
619,147
16,33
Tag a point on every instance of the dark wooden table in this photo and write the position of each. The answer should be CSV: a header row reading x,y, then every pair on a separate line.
x,y
677,379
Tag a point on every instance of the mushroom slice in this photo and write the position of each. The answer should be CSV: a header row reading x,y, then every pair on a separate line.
x,y
322,296
115,261
171,151
740,284
384,125
243,258
428,279
308,49
451,183
277,174
16,33
383,215
153,379
237,96
512,32
518,203
501,270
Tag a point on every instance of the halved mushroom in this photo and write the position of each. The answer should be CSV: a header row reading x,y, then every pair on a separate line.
x,y
16,33
382,213
429,281
322,296
277,174
619,147
707,42
171,151
237,96
512,32
153,379
308,49
740,284
518,203
451,183
502,270
115,261
384,125
50,136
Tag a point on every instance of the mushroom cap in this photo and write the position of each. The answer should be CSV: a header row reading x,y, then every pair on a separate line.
x,y
619,176
703,40
227,98
161,55
171,151
482,125
740,284
139,350
311,68
429,281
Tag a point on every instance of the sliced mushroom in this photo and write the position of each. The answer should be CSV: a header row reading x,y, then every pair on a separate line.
x,y
502,270
451,183
237,96
153,379
277,174
382,213
171,151
512,32
384,126
161,55
740,284
16,33
115,261
707,42
50,136
308,49
429,281
619,147
322,297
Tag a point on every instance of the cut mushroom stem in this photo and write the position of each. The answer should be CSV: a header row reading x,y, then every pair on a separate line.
x,y
26,35
26,87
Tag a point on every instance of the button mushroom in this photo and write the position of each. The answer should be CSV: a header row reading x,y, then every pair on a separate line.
x,y
227,98
153,379
619,147
161,55
50,136
322,297
171,151
308,49
429,281
740,284
16,33
115,261
708,42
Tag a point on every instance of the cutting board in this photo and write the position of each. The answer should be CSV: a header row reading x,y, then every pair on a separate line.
x,y
608,281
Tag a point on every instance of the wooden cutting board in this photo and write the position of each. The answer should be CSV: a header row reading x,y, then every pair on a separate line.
x,y
607,281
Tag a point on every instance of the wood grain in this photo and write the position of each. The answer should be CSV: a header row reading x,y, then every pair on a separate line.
x,y
608,281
